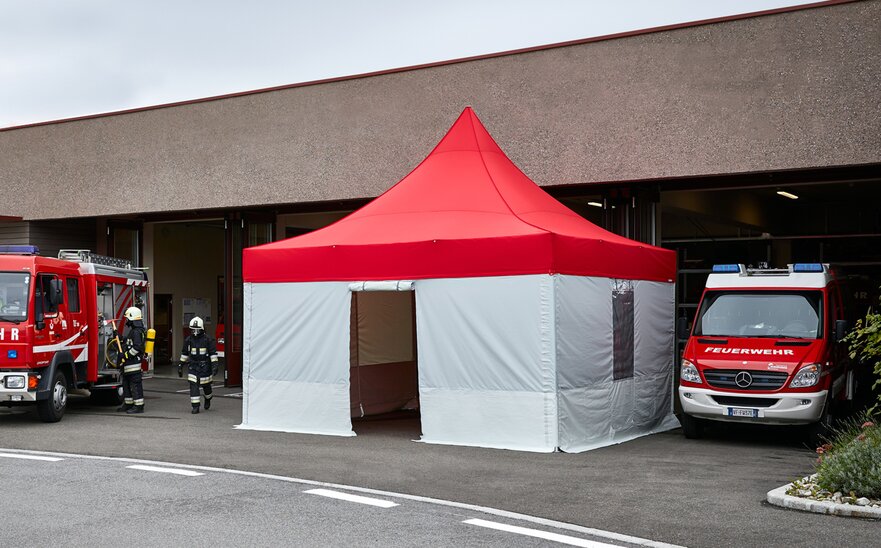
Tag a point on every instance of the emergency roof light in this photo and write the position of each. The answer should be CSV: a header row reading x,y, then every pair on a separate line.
x,y
727,268
807,267
19,249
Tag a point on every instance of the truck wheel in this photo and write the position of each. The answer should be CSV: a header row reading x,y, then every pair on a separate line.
x,y
820,432
692,428
52,408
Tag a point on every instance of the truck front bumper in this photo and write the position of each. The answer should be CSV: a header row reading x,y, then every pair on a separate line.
x,y
15,394
789,408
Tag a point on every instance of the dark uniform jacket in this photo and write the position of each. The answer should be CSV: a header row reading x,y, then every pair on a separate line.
x,y
134,341
200,353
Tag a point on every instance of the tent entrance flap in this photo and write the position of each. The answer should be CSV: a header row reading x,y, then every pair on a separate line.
x,y
382,352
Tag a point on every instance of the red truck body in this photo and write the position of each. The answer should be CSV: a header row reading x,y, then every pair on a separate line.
x,y
55,323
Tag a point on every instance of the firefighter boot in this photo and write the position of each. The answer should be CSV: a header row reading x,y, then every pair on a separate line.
x,y
195,410
207,404
135,410
124,408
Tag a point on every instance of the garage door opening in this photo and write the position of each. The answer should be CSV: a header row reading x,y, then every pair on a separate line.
x,y
186,265
383,371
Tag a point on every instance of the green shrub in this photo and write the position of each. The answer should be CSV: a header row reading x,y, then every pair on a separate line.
x,y
864,345
851,463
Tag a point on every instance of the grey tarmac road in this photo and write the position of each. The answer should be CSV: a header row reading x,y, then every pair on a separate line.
x,y
121,502
665,488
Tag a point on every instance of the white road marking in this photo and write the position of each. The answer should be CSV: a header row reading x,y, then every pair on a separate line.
x,y
29,457
352,498
177,471
555,537
611,535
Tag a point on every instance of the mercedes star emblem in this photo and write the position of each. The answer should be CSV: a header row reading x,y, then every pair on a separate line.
x,y
743,379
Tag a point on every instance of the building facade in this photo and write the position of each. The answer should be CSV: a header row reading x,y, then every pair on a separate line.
x,y
681,137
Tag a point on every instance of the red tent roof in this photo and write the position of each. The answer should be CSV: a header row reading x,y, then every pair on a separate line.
x,y
465,211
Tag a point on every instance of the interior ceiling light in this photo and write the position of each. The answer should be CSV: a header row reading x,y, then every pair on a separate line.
x,y
789,195
595,204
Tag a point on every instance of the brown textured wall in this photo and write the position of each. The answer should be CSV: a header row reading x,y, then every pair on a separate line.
x,y
791,90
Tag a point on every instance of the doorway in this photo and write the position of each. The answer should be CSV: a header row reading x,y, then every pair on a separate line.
x,y
186,259
125,241
383,370
162,314
242,230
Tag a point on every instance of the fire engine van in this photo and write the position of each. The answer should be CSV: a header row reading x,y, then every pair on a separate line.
x,y
765,348
56,326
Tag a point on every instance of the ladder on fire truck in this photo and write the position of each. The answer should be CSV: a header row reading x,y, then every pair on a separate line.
x,y
86,256
104,264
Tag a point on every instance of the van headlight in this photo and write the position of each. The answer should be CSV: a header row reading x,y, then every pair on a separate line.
x,y
689,373
808,375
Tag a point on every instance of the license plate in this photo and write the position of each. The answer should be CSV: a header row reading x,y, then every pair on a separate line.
x,y
15,398
743,412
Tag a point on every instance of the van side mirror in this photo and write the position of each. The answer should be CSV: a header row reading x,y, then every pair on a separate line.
x,y
840,330
682,327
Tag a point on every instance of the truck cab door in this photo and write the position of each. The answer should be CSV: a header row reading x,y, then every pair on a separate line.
x,y
49,313
74,304
838,351
58,324
73,324
45,302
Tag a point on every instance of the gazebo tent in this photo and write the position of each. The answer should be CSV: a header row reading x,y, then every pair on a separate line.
x,y
535,329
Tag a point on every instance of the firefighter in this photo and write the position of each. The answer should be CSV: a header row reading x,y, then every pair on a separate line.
x,y
200,353
133,342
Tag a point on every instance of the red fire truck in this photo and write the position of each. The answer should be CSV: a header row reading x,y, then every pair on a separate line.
x,y
766,348
56,326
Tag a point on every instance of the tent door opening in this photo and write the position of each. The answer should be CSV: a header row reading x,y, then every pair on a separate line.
x,y
382,353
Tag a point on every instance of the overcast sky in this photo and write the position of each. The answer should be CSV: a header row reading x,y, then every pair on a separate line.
x,y
60,59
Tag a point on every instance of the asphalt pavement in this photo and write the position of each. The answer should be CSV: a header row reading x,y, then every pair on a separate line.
x,y
121,501
706,492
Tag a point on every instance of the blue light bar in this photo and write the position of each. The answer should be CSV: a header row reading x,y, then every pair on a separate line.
x,y
807,267
726,268
20,249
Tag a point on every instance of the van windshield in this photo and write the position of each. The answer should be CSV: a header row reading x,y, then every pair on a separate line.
x,y
14,290
794,314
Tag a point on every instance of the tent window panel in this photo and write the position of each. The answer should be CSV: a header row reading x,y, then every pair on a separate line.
x,y
622,329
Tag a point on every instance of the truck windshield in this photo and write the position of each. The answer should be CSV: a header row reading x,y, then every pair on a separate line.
x,y
14,290
793,314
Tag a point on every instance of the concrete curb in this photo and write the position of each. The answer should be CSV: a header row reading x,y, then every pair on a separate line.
x,y
778,497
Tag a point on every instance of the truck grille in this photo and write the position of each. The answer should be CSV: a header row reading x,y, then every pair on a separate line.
x,y
761,380
735,401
